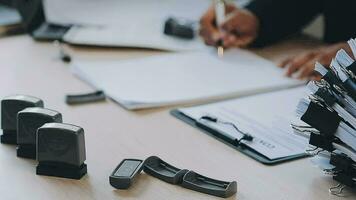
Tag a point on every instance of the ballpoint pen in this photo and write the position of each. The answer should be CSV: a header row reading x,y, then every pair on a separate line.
x,y
220,18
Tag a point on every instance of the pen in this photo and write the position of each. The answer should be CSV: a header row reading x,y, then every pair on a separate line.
x,y
220,18
62,53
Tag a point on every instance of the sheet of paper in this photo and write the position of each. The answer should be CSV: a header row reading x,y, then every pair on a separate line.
x,y
178,78
323,162
111,12
126,23
267,117
148,34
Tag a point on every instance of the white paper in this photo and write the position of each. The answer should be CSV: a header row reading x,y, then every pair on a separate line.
x,y
147,34
267,117
126,23
111,12
183,77
322,161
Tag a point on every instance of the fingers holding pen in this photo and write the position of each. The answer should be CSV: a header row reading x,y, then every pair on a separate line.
x,y
208,29
238,30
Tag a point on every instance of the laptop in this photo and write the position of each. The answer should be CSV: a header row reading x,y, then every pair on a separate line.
x,y
34,21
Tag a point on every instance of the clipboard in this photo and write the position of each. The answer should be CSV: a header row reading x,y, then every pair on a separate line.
x,y
243,149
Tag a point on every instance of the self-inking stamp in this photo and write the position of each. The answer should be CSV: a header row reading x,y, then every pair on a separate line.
x,y
125,173
28,121
61,151
179,28
10,106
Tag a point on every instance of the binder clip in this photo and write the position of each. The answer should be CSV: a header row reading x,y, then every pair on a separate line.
x,y
125,173
10,106
321,117
156,167
28,121
326,94
86,98
61,151
352,67
346,172
345,179
328,75
179,28
323,142
343,163
197,182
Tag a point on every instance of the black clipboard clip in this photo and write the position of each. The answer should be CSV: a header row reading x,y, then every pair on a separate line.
x,y
245,136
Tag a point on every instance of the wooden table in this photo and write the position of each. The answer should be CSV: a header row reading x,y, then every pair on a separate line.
x,y
113,133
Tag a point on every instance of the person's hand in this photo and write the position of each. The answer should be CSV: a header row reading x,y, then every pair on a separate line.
x,y
304,63
239,29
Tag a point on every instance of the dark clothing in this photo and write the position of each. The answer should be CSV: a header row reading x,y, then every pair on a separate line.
x,y
282,18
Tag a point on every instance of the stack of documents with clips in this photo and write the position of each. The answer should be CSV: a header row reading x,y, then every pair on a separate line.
x,y
330,112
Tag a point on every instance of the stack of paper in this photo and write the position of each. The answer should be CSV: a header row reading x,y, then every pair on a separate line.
x,y
330,110
112,12
193,77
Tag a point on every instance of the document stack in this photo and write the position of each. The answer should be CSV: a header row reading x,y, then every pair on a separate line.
x,y
330,110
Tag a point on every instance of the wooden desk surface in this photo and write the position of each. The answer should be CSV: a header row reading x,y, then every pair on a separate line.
x,y
113,133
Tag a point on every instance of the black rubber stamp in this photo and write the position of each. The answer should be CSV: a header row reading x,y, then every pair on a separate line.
x,y
61,151
179,28
28,121
10,106
125,173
